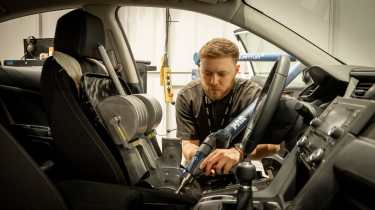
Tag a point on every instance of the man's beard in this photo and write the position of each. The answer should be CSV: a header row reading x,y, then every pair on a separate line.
x,y
217,93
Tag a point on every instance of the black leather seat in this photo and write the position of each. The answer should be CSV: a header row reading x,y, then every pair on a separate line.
x,y
87,154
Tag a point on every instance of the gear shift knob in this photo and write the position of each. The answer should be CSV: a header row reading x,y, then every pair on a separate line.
x,y
245,173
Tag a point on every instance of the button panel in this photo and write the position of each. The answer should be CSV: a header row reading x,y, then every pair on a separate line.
x,y
314,145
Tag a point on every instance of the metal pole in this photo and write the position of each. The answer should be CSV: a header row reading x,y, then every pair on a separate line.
x,y
168,106
111,70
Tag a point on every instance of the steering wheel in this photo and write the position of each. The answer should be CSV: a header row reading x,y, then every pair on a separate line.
x,y
266,104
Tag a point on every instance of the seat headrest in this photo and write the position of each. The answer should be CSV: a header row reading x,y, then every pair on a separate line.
x,y
78,34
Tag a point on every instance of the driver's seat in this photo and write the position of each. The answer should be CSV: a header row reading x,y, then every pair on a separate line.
x,y
87,154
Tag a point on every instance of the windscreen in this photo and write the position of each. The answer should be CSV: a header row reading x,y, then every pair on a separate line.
x,y
342,28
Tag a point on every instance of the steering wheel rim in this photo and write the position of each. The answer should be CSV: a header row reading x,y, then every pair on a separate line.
x,y
266,104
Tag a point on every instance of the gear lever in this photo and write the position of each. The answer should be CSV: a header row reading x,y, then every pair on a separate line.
x,y
245,173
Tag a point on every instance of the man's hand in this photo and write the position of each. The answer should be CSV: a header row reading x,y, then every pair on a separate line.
x,y
263,150
220,161
189,148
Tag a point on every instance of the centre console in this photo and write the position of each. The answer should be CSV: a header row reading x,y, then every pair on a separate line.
x,y
343,115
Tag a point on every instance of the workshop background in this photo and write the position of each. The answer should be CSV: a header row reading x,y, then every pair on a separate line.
x,y
145,30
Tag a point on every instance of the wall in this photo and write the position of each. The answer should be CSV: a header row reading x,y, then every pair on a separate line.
x,y
354,31
343,28
145,29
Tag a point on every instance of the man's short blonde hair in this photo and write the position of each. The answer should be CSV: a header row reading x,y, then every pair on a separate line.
x,y
219,48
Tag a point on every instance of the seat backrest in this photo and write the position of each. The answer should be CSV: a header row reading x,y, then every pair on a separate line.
x,y
23,184
77,35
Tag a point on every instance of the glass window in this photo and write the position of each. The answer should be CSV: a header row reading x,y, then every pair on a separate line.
x,y
145,30
15,31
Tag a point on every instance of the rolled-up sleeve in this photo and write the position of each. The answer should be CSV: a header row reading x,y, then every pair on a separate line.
x,y
186,124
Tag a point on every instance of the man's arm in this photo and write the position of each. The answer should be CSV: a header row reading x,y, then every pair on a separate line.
x,y
186,127
264,150
220,161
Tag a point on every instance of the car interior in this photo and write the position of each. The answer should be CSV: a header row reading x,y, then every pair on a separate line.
x,y
79,132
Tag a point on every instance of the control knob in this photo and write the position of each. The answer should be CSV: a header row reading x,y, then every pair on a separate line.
x,y
315,122
316,156
302,142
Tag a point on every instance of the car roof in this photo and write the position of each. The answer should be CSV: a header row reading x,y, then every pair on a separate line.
x,y
10,9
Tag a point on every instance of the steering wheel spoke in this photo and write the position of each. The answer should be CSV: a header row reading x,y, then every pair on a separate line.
x,y
266,105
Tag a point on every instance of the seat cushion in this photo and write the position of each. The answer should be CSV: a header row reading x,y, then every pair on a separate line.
x,y
23,184
93,195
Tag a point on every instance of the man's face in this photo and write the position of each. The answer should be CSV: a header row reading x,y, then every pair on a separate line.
x,y
217,76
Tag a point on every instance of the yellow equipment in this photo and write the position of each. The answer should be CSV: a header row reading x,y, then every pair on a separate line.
x,y
166,80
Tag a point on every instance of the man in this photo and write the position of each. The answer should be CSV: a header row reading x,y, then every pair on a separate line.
x,y
209,104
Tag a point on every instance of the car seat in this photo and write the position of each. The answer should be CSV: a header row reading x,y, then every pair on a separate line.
x,y
90,155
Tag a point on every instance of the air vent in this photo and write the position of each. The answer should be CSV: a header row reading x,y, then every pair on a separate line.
x,y
361,89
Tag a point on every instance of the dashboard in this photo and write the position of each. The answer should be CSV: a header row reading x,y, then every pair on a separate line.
x,y
332,164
